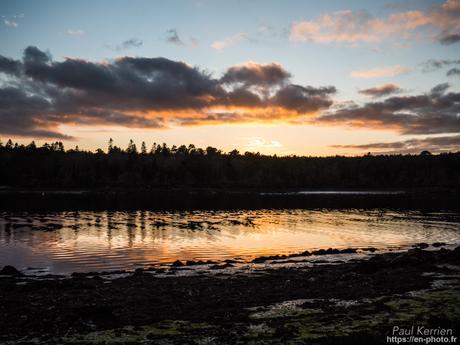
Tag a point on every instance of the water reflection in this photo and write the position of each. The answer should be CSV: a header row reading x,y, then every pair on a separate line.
x,y
81,241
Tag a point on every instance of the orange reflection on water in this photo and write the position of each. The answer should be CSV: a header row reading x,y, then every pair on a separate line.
x,y
84,241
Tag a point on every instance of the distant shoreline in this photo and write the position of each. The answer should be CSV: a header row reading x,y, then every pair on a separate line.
x,y
185,198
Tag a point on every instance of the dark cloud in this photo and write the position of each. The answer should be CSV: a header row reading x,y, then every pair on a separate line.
x,y
131,43
9,66
439,89
380,91
243,97
71,73
433,65
432,144
41,94
128,44
449,39
22,114
433,112
34,55
173,37
256,74
453,72
303,99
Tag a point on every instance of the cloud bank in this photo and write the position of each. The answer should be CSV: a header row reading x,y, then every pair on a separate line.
x,y
433,144
37,94
434,112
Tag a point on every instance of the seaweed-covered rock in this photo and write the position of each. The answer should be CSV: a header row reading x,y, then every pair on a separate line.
x,y
138,272
10,271
221,267
421,245
177,263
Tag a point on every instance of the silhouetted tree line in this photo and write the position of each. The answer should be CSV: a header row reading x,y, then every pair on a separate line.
x,y
51,166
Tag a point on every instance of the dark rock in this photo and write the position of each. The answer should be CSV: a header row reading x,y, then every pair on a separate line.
x,y
259,260
86,274
230,261
453,256
138,271
220,267
177,263
194,263
421,245
53,276
438,244
369,249
262,259
348,251
414,256
10,271
318,252
326,251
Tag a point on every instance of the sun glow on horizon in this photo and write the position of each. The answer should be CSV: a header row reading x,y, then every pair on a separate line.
x,y
315,79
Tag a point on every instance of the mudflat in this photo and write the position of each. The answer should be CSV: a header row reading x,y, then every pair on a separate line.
x,y
335,303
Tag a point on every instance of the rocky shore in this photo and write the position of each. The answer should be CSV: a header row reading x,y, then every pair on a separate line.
x,y
358,301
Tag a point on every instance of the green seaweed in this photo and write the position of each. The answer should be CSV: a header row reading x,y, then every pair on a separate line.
x,y
130,334
315,322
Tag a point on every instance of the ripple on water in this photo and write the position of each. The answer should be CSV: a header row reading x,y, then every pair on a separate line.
x,y
63,242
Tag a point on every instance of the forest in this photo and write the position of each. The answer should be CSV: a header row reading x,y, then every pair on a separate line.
x,y
160,166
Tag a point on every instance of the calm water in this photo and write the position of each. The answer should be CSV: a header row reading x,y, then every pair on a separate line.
x,y
65,242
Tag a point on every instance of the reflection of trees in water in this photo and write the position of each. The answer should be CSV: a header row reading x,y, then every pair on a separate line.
x,y
134,229
131,228
142,220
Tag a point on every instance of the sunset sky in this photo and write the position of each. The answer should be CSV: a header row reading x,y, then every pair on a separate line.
x,y
284,77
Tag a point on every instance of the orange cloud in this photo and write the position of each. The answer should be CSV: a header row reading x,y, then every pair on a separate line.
x,y
145,93
380,72
451,5
359,26
343,26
